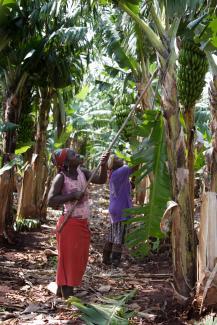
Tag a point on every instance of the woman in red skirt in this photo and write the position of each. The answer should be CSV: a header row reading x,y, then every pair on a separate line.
x,y
74,239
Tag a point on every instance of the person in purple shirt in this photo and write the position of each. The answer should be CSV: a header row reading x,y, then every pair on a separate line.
x,y
120,199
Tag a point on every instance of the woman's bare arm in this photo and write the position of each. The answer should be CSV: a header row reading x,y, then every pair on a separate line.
x,y
99,178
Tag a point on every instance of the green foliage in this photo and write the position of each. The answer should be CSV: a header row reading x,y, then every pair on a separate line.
x,y
205,31
83,93
92,122
55,61
202,121
180,8
26,224
53,261
7,126
199,161
17,161
208,320
110,312
153,158
23,149
26,129
60,142
49,52
114,44
202,137
121,111
212,26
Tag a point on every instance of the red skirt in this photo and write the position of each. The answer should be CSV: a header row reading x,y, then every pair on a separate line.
x,y
73,249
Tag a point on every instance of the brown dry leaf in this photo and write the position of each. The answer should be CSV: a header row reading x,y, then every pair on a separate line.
x,y
25,288
82,294
11,322
104,288
148,317
52,287
49,252
134,306
4,289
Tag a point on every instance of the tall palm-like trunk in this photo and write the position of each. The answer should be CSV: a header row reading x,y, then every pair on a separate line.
x,y
183,241
189,117
32,202
11,109
11,115
207,252
213,105
40,167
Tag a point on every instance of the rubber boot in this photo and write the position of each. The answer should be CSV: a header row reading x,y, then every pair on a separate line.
x,y
67,291
116,254
59,292
106,254
116,258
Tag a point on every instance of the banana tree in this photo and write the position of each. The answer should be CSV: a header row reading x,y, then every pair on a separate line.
x,y
54,63
208,40
129,51
130,55
37,50
213,106
13,46
162,38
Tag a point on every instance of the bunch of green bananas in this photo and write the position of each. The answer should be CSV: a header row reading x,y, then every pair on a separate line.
x,y
121,112
193,66
26,129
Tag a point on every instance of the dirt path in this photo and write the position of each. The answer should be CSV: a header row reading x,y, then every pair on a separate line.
x,y
27,269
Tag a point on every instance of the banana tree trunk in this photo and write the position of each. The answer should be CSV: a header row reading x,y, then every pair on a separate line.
x,y
32,202
207,252
26,207
40,167
6,188
11,107
190,127
213,105
12,110
183,242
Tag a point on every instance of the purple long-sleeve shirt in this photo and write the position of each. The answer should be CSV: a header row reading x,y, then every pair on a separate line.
x,y
120,193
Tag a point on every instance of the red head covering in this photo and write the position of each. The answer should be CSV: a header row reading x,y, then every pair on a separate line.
x,y
59,157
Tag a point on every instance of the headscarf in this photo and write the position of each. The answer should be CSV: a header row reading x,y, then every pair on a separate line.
x,y
59,156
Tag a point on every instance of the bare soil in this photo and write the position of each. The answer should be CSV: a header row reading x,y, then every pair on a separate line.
x,y
27,269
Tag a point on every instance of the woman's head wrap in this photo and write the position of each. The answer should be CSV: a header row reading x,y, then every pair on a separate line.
x,y
111,161
59,157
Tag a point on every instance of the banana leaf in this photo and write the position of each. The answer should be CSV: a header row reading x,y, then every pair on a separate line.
x,y
111,311
153,158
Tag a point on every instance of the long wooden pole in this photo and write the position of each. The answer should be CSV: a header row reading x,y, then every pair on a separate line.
x,y
111,145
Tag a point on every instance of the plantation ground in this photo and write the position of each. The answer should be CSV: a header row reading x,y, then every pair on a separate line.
x,y
27,269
